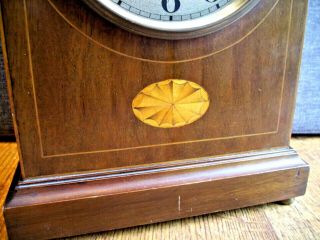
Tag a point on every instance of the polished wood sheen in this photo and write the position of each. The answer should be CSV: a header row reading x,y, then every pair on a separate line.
x,y
268,221
48,210
72,78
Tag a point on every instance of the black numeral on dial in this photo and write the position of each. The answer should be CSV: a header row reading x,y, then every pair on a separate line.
x,y
170,6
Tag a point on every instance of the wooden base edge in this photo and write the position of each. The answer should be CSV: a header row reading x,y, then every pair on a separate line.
x,y
287,201
51,211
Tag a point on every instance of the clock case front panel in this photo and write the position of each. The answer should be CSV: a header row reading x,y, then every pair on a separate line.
x,y
86,159
74,76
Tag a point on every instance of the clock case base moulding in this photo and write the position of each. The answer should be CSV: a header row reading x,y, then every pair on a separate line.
x,y
62,195
65,207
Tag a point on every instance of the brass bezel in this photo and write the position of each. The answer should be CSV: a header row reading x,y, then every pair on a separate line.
x,y
176,30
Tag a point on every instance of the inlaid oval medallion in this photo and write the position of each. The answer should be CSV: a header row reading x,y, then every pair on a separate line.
x,y
171,103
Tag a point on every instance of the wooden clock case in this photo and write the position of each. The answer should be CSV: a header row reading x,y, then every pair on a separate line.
x,y
88,164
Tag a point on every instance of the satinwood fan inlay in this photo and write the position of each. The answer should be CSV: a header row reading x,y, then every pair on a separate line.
x,y
171,103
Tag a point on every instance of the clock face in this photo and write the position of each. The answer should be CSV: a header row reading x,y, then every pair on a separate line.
x,y
172,16
172,10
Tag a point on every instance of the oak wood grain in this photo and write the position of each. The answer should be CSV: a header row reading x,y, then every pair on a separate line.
x,y
8,164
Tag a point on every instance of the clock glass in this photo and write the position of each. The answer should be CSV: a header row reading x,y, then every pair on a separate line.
x,y
173,15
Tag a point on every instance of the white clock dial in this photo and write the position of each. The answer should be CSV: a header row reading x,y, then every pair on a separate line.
x,y
175,16
172,10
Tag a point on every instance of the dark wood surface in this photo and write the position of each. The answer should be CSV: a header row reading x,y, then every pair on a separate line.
x,y
89,165
299,220
265,222
91,205
74,75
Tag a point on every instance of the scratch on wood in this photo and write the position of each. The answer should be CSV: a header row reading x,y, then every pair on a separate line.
x,y
179,203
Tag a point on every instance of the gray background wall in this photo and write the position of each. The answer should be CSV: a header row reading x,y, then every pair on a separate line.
x,y
5,115
307,114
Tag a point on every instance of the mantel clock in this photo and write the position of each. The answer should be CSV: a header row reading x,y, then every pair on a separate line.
x,y
132,112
